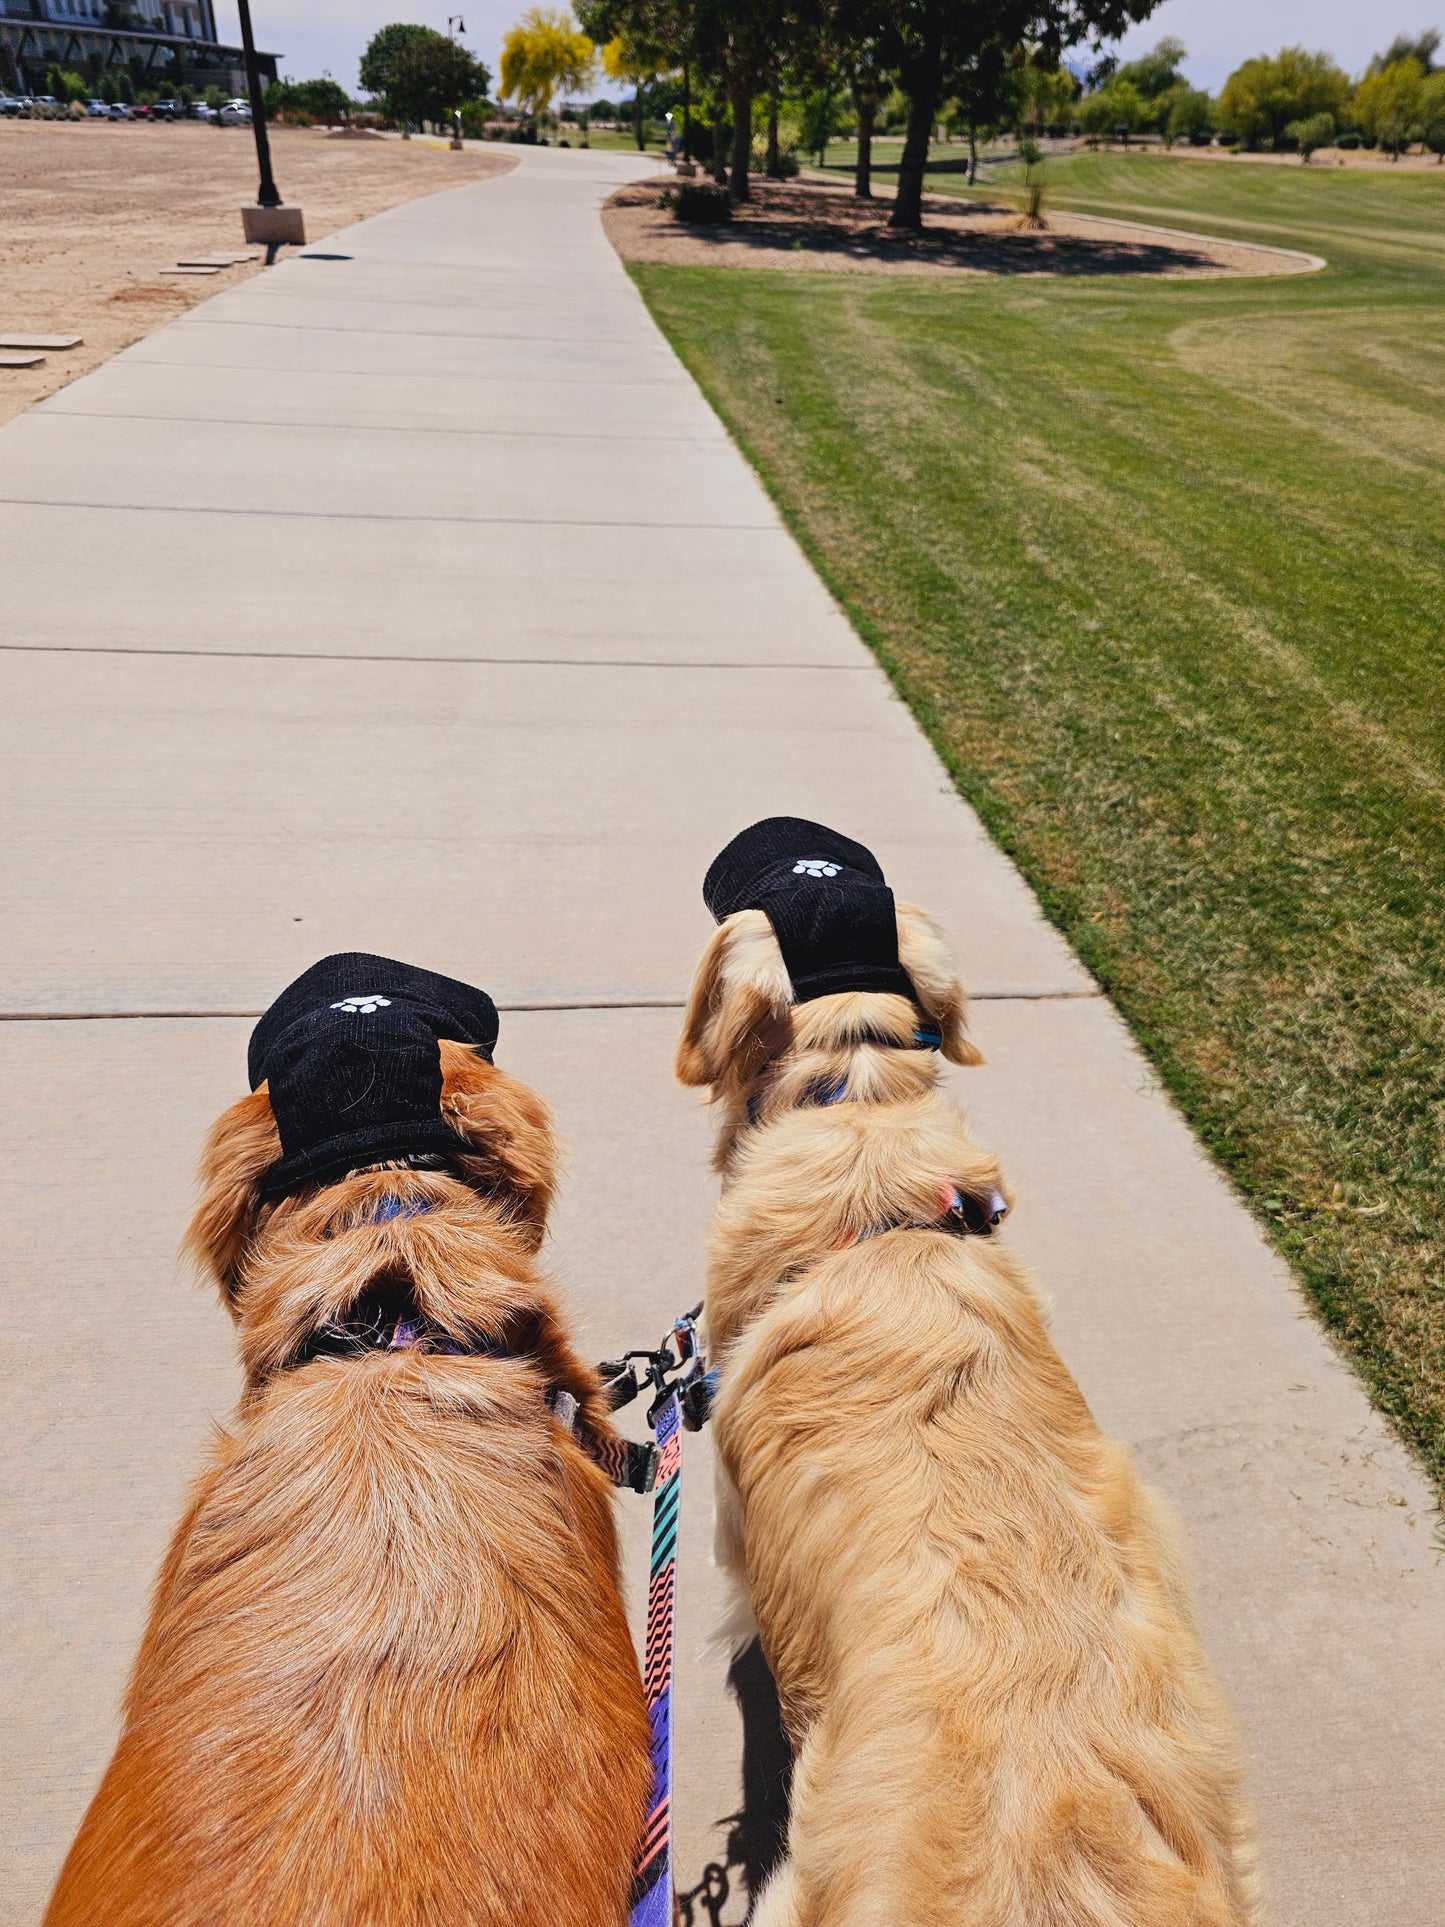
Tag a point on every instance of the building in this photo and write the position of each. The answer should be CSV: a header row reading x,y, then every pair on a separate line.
x,y
160,43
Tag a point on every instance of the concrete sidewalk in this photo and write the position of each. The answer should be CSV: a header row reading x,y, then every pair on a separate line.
x,y
414,601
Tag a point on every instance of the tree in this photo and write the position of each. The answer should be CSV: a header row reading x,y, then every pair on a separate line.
x,y
544,55
1115,108
1156,72
1191,116
823,115
421,74
629,59
318,99
1420,46
65,86
869,81
1308,135
1048,98
1432,115
381,50
1264,95
932,41
1387,103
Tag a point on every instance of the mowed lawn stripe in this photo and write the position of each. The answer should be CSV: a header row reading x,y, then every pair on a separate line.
x,y
1159,566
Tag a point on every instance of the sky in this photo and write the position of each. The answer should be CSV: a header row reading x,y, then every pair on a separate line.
x,y
319,36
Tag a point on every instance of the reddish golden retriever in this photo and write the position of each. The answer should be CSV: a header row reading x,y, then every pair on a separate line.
x,y
387,1680
976,1614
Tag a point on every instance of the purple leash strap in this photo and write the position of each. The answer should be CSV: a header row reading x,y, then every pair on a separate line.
x,y
652,1882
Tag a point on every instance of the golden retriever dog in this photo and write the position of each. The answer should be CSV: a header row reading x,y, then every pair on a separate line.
x,y
387,1680
976,1614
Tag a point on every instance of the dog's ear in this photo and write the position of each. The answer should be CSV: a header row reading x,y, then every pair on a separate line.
x,y
924,954
509,1126
739,1009
243,1145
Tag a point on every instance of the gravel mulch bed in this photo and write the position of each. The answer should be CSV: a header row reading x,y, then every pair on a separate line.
x,y
803,224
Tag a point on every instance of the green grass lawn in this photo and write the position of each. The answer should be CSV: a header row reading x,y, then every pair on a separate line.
x,y
1158,565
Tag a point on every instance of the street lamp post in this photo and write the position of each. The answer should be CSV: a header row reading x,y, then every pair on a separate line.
x,y
455,143
266,220
267,194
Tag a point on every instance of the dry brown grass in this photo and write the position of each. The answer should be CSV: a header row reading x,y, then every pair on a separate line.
x,y
92,212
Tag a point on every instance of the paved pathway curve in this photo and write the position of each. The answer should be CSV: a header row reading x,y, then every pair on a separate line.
x,y
409,598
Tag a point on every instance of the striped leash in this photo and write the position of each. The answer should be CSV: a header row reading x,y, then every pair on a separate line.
x,y
684,1392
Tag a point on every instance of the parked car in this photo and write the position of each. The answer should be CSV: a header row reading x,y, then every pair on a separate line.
x,y
167,110
121,110
236,113
12,104
200,111
97,110
44,104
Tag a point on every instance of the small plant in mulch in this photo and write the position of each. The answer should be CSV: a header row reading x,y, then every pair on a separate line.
x,y
699,204
1031,201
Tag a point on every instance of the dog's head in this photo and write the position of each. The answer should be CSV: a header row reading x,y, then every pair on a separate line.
x,y
510,1159
811,949
742,1012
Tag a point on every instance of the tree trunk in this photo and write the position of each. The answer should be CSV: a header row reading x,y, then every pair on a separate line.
x,y
741,93
972,154
773,166
865,107
686,111
637,119
922,78
719,143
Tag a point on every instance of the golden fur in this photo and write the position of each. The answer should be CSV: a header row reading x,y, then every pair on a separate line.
x,y
976,1614
387,1680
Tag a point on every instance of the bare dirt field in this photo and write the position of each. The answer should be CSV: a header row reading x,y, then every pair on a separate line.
x,y
91,213
797,224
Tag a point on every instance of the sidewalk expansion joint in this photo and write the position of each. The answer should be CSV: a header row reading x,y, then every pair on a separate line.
x,y
465,662
402,521
1072,995
610,436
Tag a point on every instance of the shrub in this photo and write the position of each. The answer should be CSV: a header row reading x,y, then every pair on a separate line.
x,y
787,160
700,204
1308,135
65,85
1348,141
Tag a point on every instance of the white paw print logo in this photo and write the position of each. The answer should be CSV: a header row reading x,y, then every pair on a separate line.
x,y
363,1006
815,866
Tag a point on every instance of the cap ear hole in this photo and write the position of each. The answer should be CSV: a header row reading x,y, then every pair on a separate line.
x,y
924,954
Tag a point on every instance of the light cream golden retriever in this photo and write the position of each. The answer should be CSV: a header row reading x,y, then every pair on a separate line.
x,y
977,1615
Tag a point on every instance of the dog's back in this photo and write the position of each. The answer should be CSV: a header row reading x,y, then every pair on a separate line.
x,y
387,1680
975,1614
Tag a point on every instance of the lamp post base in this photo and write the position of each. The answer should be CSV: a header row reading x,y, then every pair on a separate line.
x,y
276,226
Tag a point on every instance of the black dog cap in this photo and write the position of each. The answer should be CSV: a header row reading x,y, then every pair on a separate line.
x,y
349,1054
826,898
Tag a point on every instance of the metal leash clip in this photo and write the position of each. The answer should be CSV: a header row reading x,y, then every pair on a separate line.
x,y
677,1366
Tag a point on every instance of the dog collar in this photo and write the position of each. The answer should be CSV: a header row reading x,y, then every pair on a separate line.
x,y
963,1215
827,1091
625,1462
